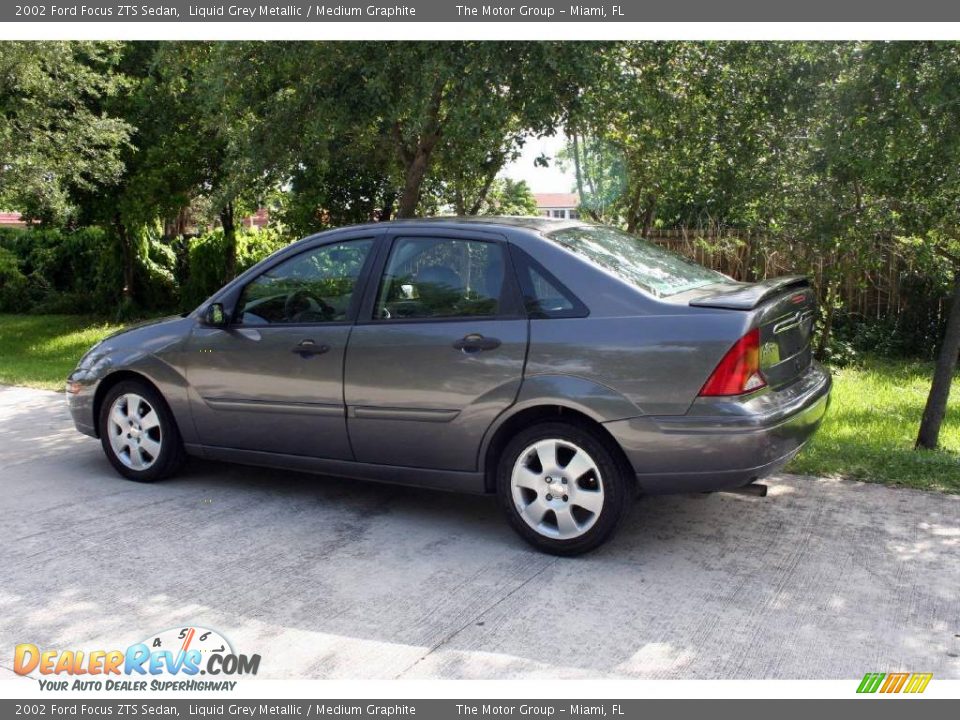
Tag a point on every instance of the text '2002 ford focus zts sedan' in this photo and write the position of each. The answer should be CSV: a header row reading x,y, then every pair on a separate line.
x,y
564,366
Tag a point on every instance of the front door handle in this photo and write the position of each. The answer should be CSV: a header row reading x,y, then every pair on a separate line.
x,y
306,348
475,342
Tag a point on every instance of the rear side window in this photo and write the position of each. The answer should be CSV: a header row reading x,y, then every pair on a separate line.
x,y
543,295
639,262
441,278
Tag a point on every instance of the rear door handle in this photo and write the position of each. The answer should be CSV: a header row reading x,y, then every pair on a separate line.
x,y
308,347
474,342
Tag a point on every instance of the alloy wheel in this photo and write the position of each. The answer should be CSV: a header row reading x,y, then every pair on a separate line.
x,y
557,489
135,434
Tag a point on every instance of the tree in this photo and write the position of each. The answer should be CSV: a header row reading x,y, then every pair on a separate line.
x,y
55,135
508,197
908,118
405,116
202,134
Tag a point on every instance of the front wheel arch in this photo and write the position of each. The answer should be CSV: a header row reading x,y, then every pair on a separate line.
x,y
112,380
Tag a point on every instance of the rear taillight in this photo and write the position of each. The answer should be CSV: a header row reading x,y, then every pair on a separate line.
x,y
739,370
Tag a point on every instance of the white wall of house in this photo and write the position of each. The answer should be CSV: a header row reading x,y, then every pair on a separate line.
x,y
560,213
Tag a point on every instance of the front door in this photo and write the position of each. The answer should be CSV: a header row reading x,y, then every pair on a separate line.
x,y
272,380
439,356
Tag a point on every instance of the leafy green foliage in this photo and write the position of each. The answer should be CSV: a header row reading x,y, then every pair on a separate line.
x,y
55,271
13,283
508,197
388,121
55,136
207,256
58,270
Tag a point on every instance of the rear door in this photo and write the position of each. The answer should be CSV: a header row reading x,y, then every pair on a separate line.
x,y
437,353
272,380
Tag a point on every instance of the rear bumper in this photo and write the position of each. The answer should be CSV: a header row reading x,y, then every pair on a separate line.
x,y
723,443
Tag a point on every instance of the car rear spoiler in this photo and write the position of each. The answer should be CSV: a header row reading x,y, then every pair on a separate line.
x,y
748,295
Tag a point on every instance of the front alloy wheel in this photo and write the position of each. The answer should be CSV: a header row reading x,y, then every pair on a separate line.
x,y
134,430
138,432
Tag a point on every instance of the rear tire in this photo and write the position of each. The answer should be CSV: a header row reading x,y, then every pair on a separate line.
x,y
562,488
138,433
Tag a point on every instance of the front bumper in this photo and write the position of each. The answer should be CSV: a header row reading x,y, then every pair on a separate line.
x,y
80,391
724,443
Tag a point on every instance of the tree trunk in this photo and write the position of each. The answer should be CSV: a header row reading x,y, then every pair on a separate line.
x,y
487,183
936,407
633,213
386,210
577,170
821,350
416,156
127,257
649,214
229,241
414,173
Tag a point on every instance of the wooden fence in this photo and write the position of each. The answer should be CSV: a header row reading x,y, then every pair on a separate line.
x,y
875,293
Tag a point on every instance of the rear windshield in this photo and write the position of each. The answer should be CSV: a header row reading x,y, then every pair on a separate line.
x,y
635,260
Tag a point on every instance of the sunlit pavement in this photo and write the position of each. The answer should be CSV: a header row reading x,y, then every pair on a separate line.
x,y
330,578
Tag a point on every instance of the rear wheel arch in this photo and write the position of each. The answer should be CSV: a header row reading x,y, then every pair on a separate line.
x,y
542,413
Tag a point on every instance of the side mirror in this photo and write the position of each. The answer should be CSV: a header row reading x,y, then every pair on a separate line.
x,y
214,315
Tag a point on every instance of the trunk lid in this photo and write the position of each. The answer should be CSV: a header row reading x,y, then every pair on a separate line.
x,y
785,310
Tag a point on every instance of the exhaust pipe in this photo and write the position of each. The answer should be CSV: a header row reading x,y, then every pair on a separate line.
x,y
755,489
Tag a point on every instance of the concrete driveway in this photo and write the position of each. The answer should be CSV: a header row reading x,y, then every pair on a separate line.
x,y
329,578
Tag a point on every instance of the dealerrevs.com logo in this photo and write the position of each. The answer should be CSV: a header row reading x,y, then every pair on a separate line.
x,y
168,660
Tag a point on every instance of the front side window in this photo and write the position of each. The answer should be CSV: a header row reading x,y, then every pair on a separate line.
x,y
313,287
441,278
635,260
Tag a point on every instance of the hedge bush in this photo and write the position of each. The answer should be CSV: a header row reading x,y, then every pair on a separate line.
x,y
81,271
207,260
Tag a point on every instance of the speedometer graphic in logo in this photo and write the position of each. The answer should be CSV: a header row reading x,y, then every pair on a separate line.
x,y
183,639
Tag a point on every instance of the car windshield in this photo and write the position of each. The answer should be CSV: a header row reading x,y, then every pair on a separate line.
x,y
635,260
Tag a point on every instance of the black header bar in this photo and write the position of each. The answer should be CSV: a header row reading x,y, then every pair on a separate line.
x,y
468,11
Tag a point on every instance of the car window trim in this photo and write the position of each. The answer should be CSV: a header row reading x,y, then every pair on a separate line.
x,y
523,262
355,298
512,295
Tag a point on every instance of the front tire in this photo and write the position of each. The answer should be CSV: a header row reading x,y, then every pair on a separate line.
x,y
562,488
138,433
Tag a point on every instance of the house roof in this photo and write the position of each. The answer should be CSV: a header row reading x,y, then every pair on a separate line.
x,y
11,218
556,200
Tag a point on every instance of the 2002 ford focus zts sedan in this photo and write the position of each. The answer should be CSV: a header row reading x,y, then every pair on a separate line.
x,y
564,366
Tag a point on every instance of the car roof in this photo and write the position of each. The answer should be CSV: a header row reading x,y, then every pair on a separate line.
x,y
537,224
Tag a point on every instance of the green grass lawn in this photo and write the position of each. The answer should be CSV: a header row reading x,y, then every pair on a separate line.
x,y
868,433
871,426
40,350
